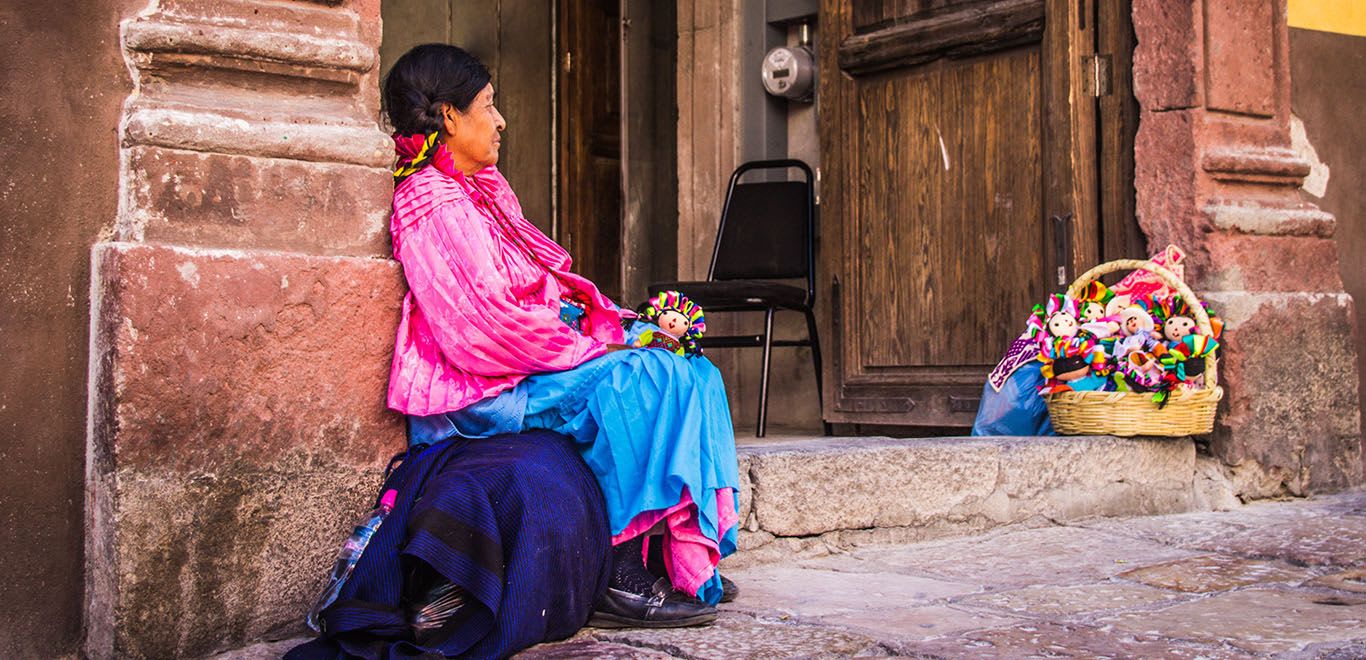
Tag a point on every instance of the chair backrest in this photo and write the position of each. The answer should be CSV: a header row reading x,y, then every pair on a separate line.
x,y
766,227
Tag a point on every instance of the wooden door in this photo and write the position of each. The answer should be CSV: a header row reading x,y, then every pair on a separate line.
x,y
589,184
958,158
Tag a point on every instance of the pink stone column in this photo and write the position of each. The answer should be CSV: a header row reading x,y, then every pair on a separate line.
x,y
243,315
1215,174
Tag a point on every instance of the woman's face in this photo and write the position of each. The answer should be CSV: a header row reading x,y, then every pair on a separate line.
x,y
472,136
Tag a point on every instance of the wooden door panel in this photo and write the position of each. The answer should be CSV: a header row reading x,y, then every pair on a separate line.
x,y
896,180
948,146
951,225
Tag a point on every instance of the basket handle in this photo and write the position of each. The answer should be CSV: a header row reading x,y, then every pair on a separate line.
x,y
1170,278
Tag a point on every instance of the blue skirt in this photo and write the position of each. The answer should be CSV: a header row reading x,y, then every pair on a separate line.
x,y
647,422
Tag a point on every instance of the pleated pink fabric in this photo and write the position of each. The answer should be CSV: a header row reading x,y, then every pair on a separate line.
x,y
690,556
483,307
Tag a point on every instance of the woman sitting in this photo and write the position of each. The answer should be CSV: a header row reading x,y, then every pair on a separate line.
x,y
483,349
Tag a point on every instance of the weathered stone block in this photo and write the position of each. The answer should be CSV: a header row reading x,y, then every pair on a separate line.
x,y
1013,558
1167,55
1073,478
817,487
1208,573
1075,600
1164,177
212,356
1050,639
746,494
852,483
1290,378
225,201
205,561
238,425
1239,47
1241,262
1325,533
736,635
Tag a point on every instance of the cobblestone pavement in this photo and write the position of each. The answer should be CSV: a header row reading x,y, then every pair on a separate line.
x,y
1278,579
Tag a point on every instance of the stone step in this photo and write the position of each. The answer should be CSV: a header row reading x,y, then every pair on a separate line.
x,y
808,496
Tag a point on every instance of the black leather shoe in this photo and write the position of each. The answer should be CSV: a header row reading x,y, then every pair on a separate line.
x,y
663,608
728,590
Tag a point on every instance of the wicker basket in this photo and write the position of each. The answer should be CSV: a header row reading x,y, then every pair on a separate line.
x,y
1188,412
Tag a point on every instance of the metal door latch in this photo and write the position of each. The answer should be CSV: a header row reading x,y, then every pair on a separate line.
x,y
1097,75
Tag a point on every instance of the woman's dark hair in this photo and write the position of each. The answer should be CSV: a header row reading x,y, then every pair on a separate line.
x,y
426,77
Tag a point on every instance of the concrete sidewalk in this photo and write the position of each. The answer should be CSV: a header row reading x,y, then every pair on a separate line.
x,y
1281,579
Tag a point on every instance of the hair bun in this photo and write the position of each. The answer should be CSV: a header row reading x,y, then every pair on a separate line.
x,y
426,78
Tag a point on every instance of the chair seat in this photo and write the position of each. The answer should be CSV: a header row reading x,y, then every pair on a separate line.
x,y
737,294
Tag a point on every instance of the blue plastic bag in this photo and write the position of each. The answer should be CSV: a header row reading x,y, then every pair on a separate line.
x,y
1017,409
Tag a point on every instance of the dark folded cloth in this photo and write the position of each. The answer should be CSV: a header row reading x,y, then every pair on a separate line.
x,y
516,521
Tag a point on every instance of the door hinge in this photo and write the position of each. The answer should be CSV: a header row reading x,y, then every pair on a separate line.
x,y
568,62
1097,75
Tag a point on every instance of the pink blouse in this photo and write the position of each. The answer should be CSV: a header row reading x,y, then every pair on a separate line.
x,y
482,311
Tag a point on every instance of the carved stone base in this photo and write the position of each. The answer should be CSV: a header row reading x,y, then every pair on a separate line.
x,y
1216,175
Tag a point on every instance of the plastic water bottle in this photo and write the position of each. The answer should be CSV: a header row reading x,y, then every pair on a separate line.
x,y
349,555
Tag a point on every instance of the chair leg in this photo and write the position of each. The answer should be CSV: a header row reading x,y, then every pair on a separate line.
x,y
816,361
763,378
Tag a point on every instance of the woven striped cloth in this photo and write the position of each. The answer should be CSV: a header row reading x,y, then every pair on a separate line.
x,y
516,521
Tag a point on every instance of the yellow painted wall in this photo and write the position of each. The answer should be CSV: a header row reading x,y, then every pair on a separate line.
x,y
1340,16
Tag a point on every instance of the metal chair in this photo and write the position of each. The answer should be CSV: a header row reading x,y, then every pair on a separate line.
x,y
767,234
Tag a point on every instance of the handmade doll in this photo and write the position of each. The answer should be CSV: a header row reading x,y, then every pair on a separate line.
x,y
1093,300
1186,346
1177,320
1139,371
1073,364
1057,319
1184,363
1137,332
679,323
1118,303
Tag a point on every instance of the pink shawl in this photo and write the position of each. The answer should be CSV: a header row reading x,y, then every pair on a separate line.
x,y
482,311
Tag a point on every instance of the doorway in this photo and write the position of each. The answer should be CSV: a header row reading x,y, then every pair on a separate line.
x,y
963,183
589,181
588,90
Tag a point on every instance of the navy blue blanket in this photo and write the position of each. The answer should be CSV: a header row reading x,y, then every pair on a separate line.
x,y
517,521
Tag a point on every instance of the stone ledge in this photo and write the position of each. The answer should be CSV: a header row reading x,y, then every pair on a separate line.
x,y
826,491
230,201
233,128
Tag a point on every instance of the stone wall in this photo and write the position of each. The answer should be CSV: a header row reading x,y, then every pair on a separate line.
x,y
1217,174
243,311
64,81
